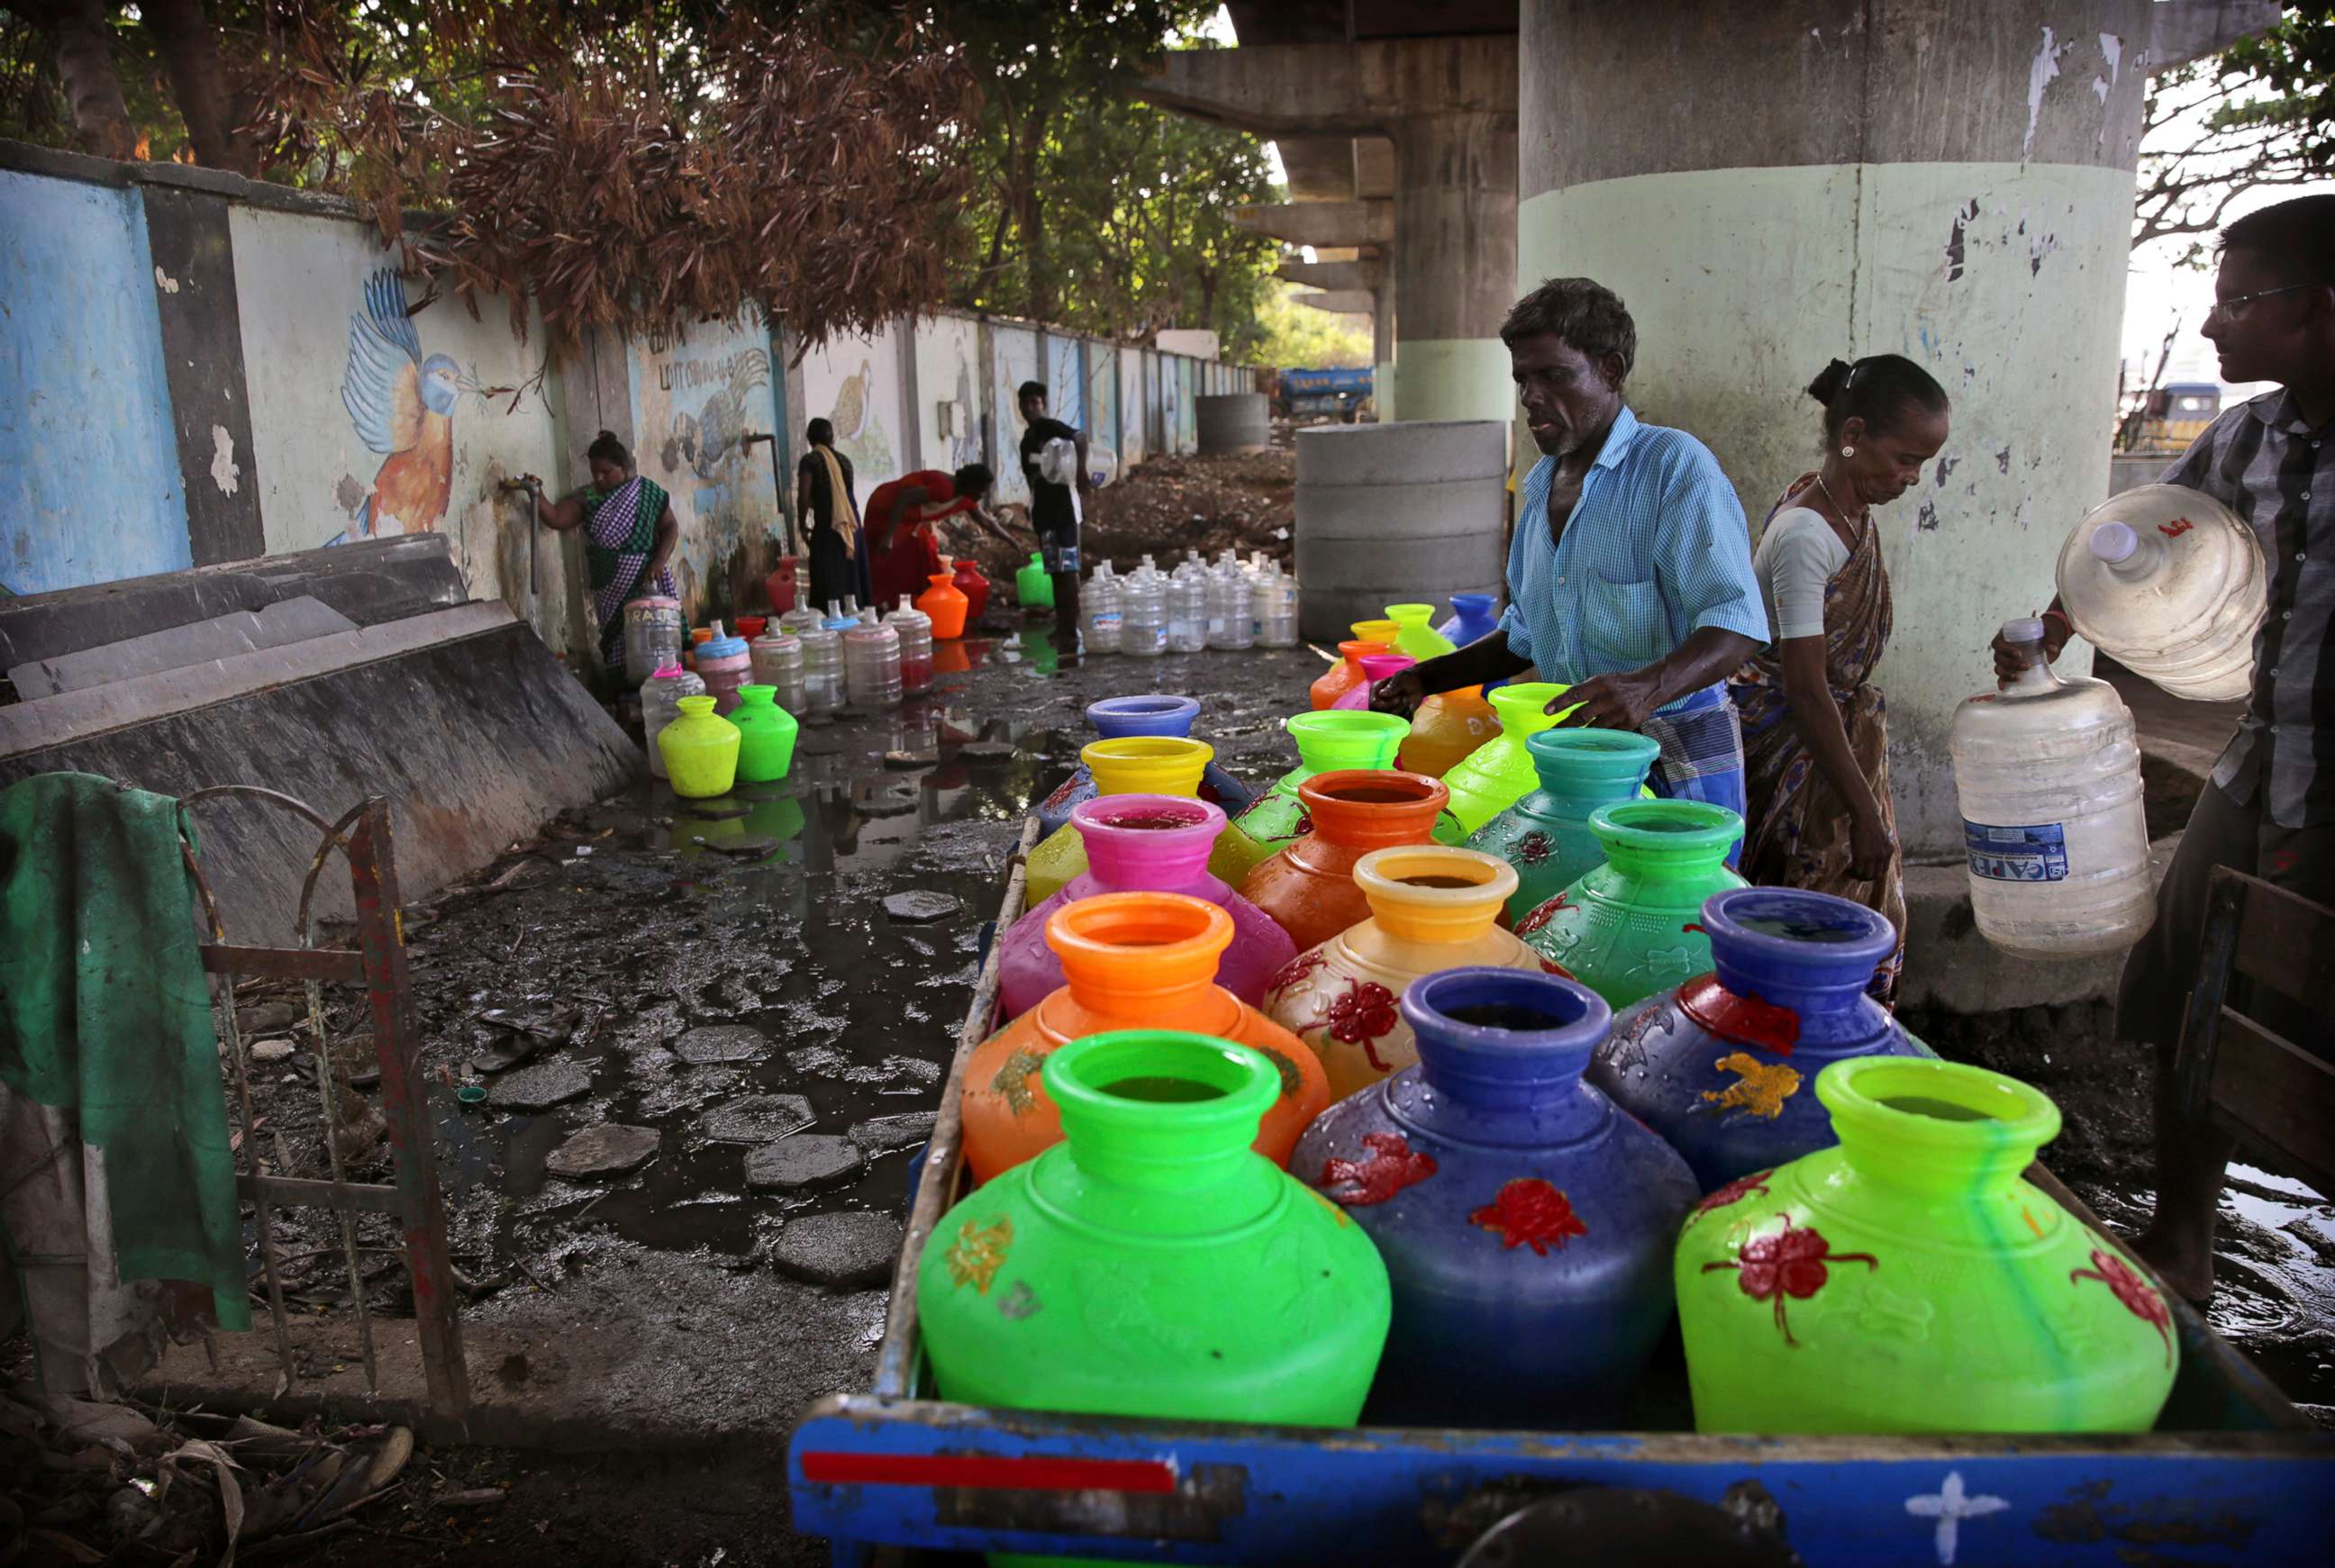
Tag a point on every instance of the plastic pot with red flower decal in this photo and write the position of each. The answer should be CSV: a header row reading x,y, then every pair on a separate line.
x,y
1909,1279
1527,1224
1722,1065
1431,908
1546,836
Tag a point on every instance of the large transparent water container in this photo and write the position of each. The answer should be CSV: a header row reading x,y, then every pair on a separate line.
x,y
1103,609
2048,774
822,653
2171,582
1143,613
1276,607
1187,606
915,630
871,666
1230,614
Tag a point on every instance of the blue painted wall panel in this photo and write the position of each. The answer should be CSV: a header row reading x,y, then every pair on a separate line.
x,y
1065,382
90,489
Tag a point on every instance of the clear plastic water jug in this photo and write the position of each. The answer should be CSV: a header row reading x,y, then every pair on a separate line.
x,y
661,696
871,666
1229,611
822,668
2171,582
1143,613
654,634
778,662
1187,606
2048,774
1103,609
915,630
801,619
1277,608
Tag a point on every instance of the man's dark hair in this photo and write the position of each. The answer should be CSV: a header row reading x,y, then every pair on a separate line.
x,y
607,449
1877,389
820,434
1030,389
1582,311
973,479
2296,237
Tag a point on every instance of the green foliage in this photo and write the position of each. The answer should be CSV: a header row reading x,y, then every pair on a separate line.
x,y
1299,337
2263,113
1091,209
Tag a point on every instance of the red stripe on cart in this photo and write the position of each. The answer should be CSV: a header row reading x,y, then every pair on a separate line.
x,y
1027,1474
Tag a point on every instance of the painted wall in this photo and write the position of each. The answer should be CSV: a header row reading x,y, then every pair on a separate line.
x,y
1065,382
1013,351
1187,431
854,384
1130,407
949,400
1103,395
694,397
1993,276
90,478
342,448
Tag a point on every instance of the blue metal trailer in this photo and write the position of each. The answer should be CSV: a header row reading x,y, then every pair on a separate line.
x,y
2233,1471
1342,393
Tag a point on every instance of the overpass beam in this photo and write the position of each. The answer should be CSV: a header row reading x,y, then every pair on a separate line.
x,y
1449,106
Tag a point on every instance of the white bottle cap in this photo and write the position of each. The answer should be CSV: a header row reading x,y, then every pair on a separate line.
x,y
2113,542
2027,629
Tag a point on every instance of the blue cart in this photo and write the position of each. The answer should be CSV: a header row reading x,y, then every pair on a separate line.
x,y
2233,1473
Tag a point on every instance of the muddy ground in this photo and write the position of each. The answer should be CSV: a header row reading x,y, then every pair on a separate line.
x,y
676,1296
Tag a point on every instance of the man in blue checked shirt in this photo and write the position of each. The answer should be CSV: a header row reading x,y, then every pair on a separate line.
x,y
1630,575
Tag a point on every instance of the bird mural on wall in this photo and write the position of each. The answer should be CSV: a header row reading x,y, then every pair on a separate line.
x,y
850,410
402,406
718,429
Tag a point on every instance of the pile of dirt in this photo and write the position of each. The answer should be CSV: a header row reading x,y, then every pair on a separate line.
x,y
1169,505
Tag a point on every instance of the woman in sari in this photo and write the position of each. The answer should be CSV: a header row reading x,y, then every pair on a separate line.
x,y
901,513
1815,738
629,533
839,545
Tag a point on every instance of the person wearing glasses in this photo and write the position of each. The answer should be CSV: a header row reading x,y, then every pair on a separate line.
x,y
2270,807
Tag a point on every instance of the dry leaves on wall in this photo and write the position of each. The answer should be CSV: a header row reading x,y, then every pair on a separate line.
x,y
817,183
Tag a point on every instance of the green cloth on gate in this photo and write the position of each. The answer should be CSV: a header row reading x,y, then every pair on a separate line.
x,y
104,1012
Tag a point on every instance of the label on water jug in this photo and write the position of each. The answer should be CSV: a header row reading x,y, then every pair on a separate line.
x,y
2036,854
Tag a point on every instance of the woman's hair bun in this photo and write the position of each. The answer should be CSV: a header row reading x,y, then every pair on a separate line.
x,y
1830,381
611,435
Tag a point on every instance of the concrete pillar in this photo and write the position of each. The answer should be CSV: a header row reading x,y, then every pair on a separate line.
x,y
1383,353
1449,105
1950,182
1455,263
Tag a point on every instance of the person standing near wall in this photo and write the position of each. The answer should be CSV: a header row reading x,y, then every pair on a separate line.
x,y
2268,810
1054,509
839,566
1815,738
629,533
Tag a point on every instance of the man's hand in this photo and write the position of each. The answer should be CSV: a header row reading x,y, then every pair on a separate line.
x,y
1622,701
1870,846
1400,692
2010,659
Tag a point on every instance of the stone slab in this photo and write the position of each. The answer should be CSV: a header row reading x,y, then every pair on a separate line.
x,y
540,1087
882,1134
176,647
609,1148
838,1250
919,905
757,1118
713,1042
805,1160
462,718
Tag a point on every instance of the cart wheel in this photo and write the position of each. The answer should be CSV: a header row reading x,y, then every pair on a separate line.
x,y
1628,1527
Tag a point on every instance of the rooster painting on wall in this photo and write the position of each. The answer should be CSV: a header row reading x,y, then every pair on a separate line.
x,y
402,406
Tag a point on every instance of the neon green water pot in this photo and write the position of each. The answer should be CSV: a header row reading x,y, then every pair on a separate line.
x,y
1633,925
1032,587
1909,1280
1497,774
1331,740
766,735
1415,633
1150,1264
700,750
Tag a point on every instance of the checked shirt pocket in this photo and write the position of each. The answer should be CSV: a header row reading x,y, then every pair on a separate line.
x,y
1623,625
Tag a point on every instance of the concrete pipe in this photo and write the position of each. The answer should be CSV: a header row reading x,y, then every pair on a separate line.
x,y
1391,513
1233,422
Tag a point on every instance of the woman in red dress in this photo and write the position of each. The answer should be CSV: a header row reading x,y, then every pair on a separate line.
x,y
900,518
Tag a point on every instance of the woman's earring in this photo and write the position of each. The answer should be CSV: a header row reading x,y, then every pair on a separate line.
x,y
1849,451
